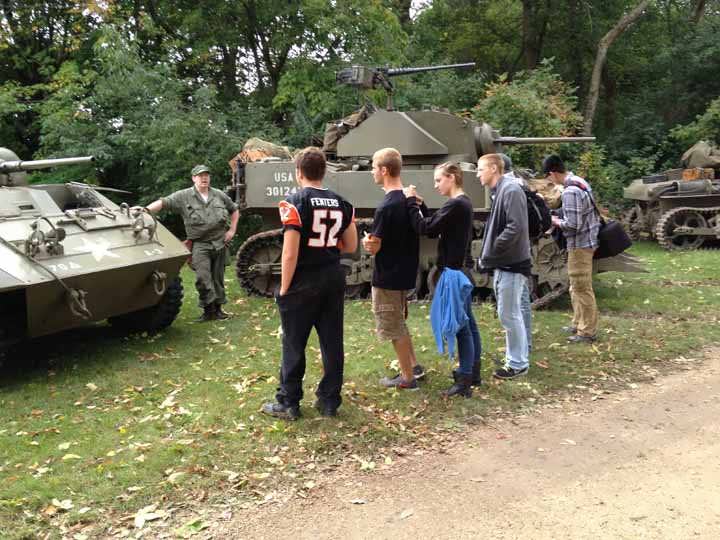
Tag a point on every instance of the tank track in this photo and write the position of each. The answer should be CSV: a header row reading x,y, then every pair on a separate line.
x,y
689,216
631,223
548,298
245,261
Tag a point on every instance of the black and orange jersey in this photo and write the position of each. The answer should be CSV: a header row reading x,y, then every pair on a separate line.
x,y
321,216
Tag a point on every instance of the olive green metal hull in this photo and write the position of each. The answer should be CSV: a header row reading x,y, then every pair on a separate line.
x,y
118,266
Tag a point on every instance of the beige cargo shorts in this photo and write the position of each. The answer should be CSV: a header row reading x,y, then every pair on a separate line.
x,y
390,310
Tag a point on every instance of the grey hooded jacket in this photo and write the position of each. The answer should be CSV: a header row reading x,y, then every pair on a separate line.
x,y
506,242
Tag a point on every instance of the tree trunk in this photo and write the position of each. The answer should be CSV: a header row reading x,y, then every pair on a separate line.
x,y
605,43
533,31
698,10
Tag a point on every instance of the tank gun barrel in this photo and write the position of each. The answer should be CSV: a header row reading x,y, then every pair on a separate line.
x,y
392,72
542,140
19,165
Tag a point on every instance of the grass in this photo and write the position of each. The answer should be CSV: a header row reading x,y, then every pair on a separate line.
x,y
113,423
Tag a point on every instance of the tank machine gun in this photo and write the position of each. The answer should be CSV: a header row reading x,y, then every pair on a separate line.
x,y
425,139
367,78
69,256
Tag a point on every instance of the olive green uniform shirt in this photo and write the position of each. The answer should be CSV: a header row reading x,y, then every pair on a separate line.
x,y
204,221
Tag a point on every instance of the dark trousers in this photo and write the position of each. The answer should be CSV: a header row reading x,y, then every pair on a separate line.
x,y
315,300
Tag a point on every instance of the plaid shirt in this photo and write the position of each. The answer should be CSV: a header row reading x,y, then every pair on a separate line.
x,y
580,223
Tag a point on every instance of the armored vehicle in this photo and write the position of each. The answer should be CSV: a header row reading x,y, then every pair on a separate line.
x,y
680,208
425,139
70,256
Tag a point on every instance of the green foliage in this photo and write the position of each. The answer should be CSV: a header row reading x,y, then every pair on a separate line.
x,y
141,123
705,127
535,104
592,165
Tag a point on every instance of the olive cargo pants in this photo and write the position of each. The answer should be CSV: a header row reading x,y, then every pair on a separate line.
x,y
209,265
582,296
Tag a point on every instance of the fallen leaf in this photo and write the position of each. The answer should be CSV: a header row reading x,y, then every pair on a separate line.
x,y
65,504
68,457
191,528
407,513
91,386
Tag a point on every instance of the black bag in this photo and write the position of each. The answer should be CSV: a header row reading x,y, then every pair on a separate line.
x,y
612,238
539,218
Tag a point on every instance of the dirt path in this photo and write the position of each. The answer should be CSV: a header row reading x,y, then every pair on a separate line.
x,y
644,463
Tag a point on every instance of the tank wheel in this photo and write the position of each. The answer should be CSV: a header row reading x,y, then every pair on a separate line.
x,y
631,222
679,217
258,263
153,318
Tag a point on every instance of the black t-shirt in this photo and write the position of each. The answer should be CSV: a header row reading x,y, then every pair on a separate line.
x,y
452,222
396,263
321,216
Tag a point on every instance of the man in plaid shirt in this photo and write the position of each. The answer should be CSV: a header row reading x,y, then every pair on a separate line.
x,y
580,225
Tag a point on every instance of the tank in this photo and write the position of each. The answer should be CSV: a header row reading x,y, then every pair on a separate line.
x,y
70,256
425,139
679,208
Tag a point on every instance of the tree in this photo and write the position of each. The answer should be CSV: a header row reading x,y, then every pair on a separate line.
x,y
605,43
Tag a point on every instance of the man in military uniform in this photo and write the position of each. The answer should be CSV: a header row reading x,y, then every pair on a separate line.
x,y
205,212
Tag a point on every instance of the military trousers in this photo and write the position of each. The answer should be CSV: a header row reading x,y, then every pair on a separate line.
x,y
315,300
209,265
582,296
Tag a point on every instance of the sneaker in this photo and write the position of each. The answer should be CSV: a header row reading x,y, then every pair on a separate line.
x,y
507,372
577,338
418,372
569,329
325,410
398,382
278,410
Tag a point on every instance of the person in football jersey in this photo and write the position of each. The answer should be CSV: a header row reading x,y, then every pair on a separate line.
x,y
318,225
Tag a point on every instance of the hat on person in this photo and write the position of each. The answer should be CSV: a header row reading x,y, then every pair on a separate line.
x,y
199,169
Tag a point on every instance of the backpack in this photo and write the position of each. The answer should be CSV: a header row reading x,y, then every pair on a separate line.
x,y
539,217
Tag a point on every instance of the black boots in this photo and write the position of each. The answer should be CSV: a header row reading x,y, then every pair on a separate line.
x,y
476,381
461,387
221,315
208,314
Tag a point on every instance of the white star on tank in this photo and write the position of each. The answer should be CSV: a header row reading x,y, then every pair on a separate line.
x,y
99,249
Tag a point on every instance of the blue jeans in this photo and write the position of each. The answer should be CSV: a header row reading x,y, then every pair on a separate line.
x,y
468,341
509,288
527,313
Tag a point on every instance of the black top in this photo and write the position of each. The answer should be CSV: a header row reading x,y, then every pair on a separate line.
x,y
321,216
452,223
396,263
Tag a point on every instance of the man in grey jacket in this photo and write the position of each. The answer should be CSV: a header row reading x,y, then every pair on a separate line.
x,y
506,251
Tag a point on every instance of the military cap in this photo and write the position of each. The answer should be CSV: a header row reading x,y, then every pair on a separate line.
x,y
199,169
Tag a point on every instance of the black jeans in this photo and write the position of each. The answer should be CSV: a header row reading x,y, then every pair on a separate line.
x,y
315,299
